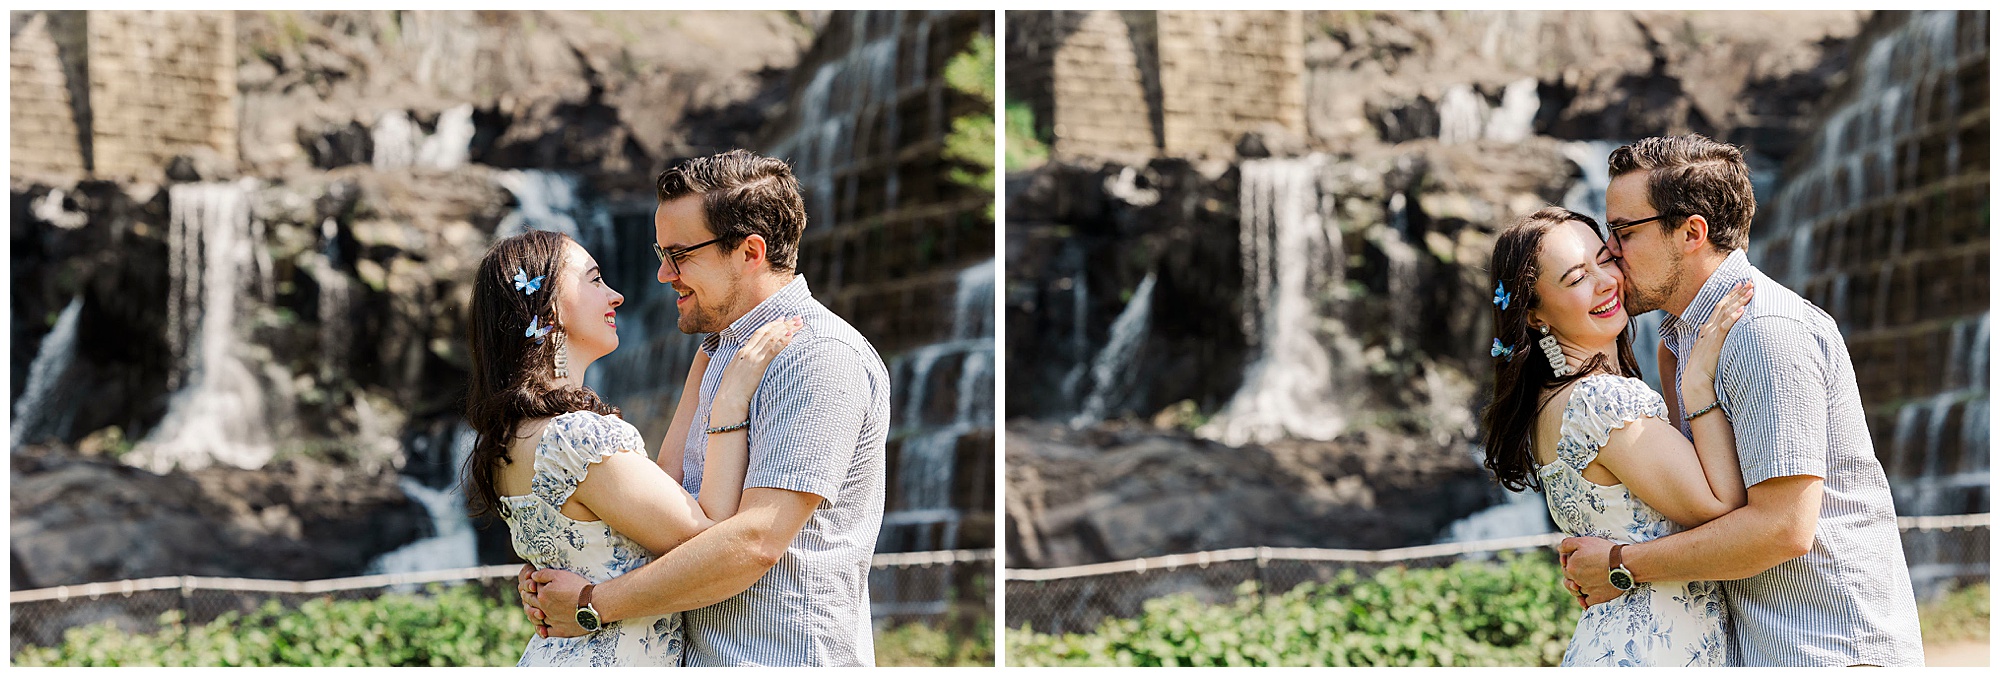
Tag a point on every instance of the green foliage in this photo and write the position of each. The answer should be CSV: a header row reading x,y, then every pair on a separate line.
x,y
1961,615
970,142
1512,612
458,626
1024,150
947,644
445,627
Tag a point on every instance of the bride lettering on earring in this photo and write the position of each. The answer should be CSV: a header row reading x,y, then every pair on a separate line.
x,y
1554,352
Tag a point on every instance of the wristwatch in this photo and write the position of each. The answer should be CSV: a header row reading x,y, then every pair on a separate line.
x,y
1621,577
586,617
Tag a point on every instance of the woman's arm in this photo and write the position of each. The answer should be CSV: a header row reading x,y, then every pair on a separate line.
x,y
728,457
674,448
1689,483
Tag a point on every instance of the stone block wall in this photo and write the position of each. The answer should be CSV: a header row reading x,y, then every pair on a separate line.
x,y
1884,222
48,130
1226,73
1132,85
119,94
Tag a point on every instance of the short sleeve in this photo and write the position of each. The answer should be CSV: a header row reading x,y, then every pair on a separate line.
x,y
807,418
573,441
1772,382
1598,406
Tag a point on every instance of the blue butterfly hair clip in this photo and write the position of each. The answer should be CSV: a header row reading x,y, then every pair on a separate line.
x,y
1501,297
1502,350
523,284
536,330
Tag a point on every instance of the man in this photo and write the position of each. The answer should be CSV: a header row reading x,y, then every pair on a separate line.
x,y
1813,567
785,580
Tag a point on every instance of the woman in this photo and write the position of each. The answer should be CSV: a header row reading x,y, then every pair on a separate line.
x,y
1568,418
569,477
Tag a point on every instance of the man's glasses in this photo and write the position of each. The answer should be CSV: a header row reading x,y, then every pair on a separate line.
x,y
1613,228
674,256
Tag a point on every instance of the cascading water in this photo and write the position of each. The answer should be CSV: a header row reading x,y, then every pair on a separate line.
x,y
1111,371
821,146
547,200
1306,363
1464,117
925,468
452,544
41,410
218,417
400,144
925,517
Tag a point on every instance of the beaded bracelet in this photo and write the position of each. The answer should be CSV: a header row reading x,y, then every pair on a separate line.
x,y
729,428
1711,407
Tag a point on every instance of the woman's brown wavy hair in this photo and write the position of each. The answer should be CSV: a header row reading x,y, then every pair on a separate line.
x,y
1523,384
513,376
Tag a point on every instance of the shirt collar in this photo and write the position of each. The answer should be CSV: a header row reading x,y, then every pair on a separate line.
x,y
1735,268
781,304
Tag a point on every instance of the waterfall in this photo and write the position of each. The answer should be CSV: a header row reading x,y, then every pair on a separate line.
x,y
395,139
450,147
1464,117
41,412
1306,362
1111,372
1587,196
822,146
452,544
926,467
547,200
219,416
400,144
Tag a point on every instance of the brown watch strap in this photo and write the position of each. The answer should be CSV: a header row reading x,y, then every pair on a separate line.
x,y
1617,557
583,598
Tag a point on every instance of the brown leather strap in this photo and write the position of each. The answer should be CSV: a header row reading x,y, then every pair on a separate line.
x,y
1617,557
583,598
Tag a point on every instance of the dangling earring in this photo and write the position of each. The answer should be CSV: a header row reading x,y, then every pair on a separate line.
x,y
1554,352
561,346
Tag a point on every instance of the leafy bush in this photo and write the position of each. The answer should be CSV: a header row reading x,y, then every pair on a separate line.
x,y
945,644
455,626
444,627
1961,615
1513,612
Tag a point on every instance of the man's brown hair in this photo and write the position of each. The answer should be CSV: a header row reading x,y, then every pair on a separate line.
x,y
1692,174
744,194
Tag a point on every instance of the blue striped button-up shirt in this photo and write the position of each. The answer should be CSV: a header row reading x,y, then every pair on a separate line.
x,y
818,425
1787,383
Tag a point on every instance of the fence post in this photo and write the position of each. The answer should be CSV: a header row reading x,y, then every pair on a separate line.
x,y
187,611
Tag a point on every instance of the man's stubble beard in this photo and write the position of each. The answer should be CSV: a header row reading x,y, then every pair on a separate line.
x,y
1647,299
702,319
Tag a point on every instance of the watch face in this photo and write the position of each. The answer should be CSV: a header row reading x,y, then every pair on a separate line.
x,y
587,618
1621,579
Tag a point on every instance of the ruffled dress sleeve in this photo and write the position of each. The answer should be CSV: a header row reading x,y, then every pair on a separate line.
x,y
570,444
1597,406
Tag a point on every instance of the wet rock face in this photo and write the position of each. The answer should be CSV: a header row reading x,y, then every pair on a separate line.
x,y
1745,78
1118,492
83,519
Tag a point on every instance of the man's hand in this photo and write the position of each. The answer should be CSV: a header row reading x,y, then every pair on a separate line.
x,y
1587,569
525,585
555,595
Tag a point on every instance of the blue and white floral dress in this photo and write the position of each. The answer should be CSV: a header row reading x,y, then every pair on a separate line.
x,y
547,538
1658,624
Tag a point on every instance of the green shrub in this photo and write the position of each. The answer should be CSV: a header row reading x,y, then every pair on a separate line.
x,y
455,626
1511,612
1963,615
946,644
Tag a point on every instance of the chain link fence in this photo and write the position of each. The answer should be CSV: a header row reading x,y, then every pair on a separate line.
x,y
916,587
1943,553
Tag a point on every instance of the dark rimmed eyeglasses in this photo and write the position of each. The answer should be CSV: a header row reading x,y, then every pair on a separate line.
x,y
1613,228
674,256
